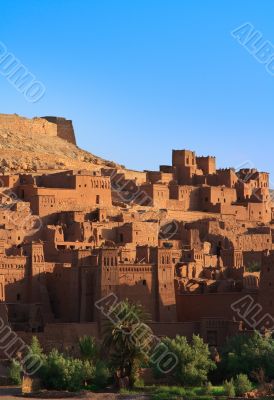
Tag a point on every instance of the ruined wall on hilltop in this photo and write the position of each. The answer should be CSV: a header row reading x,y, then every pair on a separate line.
x,y
15,123
64,128
50,126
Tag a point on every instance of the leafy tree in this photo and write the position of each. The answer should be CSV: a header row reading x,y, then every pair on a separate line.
x,y
121,340
245,354
15,372
194,362
242,384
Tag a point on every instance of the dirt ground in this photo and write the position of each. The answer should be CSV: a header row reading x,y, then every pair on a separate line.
x,y
8,393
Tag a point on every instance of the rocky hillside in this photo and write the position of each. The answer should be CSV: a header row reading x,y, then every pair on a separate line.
x,y
24,147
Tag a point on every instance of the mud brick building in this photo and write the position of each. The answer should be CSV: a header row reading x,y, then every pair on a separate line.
x,y
186,242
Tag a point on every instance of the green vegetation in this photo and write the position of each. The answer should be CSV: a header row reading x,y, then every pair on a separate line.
x,y
246,360
250,355
168,393
90,351
122,342
229,388
36,348
65,373
177,392
102,374
253,267
62,372
194,362
88,348
242,384
15,372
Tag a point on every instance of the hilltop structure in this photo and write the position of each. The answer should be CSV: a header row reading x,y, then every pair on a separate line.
x,y
187,242
50,126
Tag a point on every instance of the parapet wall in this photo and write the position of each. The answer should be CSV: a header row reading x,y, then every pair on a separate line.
x,y
50,126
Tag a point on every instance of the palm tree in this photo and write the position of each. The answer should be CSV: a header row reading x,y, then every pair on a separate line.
x,y
122,344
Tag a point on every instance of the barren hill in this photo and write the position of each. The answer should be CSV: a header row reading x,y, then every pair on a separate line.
x,y
42,144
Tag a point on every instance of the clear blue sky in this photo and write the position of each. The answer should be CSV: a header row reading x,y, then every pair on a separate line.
x,y
141,77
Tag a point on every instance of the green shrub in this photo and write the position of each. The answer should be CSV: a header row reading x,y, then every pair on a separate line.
x,y
15,372
35,347
217,391
102,375
139,383
242,384
229,388
207,389
62,373
247,354
172,390
192,392
88,347
193,360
